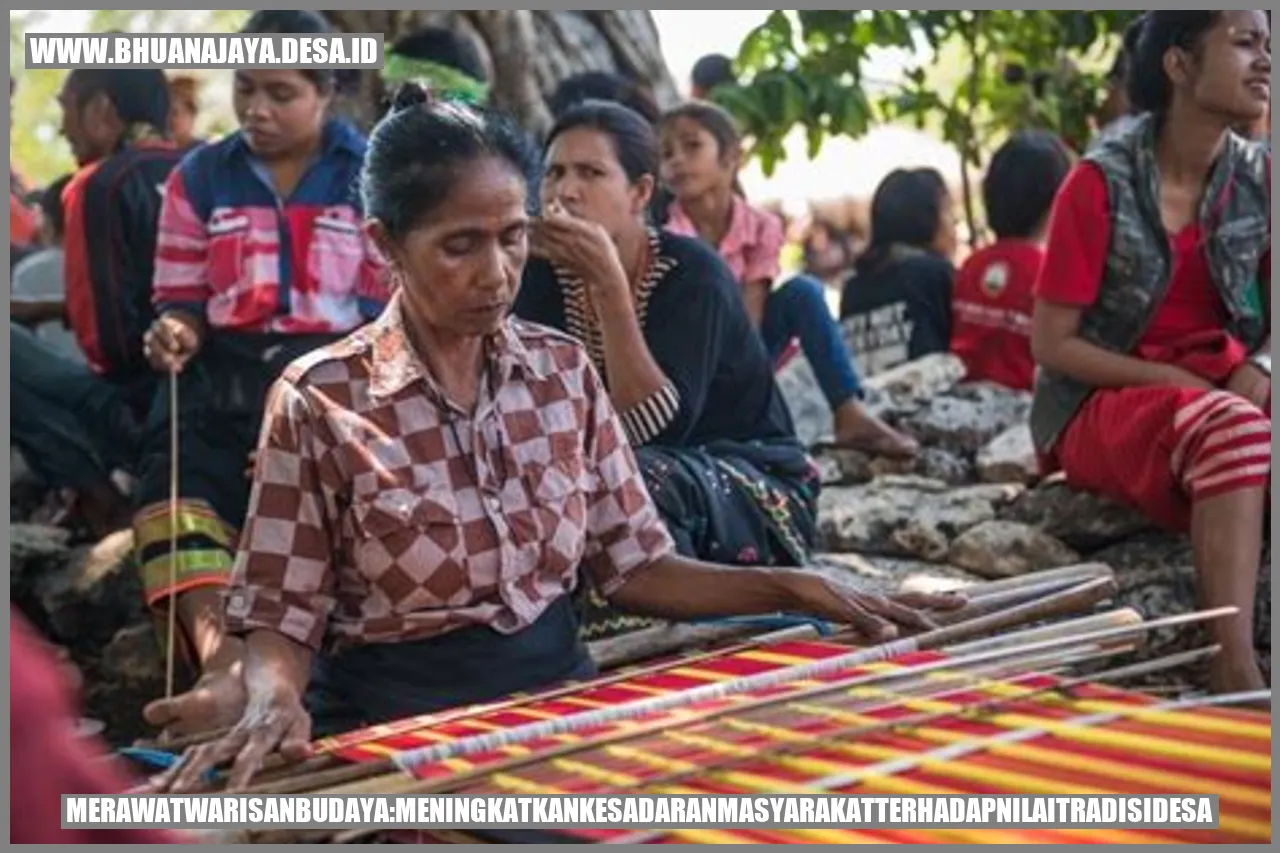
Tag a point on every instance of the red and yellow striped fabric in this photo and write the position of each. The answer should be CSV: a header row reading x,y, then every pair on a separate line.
x,y
837,741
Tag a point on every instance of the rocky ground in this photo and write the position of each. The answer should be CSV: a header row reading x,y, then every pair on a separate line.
x,y
971,508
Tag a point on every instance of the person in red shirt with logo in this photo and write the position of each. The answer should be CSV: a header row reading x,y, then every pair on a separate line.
x,y
1155,370
994,290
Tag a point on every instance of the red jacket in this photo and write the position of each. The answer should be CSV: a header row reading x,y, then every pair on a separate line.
x,y
47,759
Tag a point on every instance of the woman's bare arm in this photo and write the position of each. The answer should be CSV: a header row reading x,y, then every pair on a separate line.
x,y
754,295
274,662
632,373
677,588
1056,345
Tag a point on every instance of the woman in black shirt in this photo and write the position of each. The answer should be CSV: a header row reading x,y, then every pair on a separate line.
x,y
897,306
663,320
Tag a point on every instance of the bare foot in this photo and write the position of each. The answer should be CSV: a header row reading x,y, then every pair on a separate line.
x,y
858,429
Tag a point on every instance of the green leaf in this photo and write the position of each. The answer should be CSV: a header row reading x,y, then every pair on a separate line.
x,y
809,66
816,136
768,44
826,25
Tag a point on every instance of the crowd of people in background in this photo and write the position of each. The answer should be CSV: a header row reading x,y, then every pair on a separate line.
x,y
407,414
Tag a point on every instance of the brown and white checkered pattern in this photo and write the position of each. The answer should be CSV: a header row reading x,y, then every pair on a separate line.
x,y
372,520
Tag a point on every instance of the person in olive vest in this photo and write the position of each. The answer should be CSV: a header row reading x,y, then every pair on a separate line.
x,y
1155,372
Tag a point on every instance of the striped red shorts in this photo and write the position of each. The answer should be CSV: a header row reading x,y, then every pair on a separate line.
x,y
1161,449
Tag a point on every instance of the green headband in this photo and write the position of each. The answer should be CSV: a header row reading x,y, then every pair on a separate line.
x,y
444,81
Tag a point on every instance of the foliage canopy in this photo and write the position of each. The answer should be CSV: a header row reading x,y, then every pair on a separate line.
x,y
975,74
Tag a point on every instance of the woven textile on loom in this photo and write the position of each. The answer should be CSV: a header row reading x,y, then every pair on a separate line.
x,y
806,736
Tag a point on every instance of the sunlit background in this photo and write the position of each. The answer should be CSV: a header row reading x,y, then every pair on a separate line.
x,y
844,168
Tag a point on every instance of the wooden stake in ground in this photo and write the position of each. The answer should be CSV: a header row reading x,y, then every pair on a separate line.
x,y
173,534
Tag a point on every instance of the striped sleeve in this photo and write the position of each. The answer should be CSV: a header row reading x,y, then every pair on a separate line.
x,y
647,419
181,278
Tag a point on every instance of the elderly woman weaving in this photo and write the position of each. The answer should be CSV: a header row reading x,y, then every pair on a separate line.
x,y
428,488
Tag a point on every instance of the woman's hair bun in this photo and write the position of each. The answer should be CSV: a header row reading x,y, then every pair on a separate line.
x,y
408,96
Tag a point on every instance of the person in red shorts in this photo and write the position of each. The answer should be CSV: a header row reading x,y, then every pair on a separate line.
x,y
1155,386
994,293
47,756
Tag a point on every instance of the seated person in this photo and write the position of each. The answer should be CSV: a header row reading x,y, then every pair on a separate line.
x,y
77,419
896,307
430,489
39,288
829,249
605,86
24,224
995,288
184,107
445,63
1155,370
663,319
701,153
260,259
709,73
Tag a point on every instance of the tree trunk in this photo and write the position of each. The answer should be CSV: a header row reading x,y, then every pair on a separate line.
x,y
527,52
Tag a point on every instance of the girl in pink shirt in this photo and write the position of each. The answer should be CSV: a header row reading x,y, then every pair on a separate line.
x,y
701,154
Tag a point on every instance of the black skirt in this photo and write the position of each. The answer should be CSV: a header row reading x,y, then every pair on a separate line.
x,y
384,682
731,503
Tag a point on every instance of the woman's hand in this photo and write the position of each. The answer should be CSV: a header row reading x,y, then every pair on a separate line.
x,y
1179,378
216,701
586,249
173,340
1252,383
274,720
878,618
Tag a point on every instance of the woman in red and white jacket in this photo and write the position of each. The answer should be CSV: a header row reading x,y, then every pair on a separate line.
x,y
261,258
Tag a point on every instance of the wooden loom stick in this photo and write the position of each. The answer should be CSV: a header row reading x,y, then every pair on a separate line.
x,y
407,785
398,781
1111,618
440,785
1085,595
1008,591
174,488
1082,596
451,714
275,766
283,777
1006,598
797,741
1078,573
658,727
1057,646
